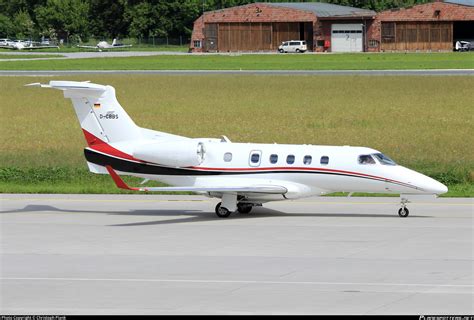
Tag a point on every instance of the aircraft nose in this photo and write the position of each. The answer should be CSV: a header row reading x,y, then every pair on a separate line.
x,y
440,188
435,187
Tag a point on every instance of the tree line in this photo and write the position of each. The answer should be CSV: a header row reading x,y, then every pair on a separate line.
x,y
78,20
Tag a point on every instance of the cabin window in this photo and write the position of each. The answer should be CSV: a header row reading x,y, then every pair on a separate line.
x,y
197,43
324,160
307,160
273,158
366,159
227,157
383,159
290,159
255,158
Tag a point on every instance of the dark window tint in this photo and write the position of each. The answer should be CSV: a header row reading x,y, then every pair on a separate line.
x,y
366,159
290,159
273,158
307,159
255,158
324,160
384,159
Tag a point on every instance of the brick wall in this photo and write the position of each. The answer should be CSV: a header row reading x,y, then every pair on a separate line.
x,y
373,35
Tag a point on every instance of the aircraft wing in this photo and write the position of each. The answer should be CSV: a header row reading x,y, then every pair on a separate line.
x,y
88,47
43,47
40,47
267,189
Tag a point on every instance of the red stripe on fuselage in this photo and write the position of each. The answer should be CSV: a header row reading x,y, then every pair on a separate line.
x,y
97,144
296,169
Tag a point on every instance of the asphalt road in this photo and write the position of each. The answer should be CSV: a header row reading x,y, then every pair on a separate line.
x,y
143,254
426,72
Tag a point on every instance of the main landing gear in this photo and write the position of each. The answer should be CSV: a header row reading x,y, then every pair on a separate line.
x,y
403,211
243,208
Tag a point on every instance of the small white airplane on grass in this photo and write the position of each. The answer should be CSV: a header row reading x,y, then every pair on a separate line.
x,y
104,45
243,175
26,45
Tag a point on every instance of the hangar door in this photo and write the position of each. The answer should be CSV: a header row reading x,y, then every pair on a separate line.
x,y
346,37
255,36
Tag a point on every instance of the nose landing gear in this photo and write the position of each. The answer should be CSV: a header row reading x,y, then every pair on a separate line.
x,y
403,211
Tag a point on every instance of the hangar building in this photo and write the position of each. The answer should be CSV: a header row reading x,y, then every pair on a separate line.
x,y
263,26
431,26
334,28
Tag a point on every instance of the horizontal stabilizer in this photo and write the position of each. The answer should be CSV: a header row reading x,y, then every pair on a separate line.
x,y
70,85
267,189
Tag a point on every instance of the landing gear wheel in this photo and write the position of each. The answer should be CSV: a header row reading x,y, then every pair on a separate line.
x,y
221,211
403,212
244,208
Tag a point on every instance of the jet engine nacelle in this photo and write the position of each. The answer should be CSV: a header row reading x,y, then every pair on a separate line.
x,y
173,153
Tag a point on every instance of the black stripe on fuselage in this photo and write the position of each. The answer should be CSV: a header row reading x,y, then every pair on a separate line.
x,y
129,166
148,168
139,167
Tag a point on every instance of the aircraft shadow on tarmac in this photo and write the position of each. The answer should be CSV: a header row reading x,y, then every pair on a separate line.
x,y
201,216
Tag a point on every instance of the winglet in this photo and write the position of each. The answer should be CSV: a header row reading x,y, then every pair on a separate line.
x,y
118,181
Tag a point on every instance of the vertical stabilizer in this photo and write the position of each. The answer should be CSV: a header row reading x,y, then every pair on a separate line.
x,y
100,114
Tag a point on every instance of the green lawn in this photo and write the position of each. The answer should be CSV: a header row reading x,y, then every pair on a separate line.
x,y
362,61
423,122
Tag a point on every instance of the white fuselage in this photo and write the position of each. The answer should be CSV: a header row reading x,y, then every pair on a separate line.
x,y
315,170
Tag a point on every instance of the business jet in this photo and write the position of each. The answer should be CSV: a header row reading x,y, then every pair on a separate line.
x,y
243,175
104,45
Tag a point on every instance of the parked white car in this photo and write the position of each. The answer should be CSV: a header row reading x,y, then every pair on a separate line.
x,y
293,46
6,42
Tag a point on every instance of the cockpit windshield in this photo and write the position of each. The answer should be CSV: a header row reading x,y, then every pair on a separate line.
x,y
383,159
366,159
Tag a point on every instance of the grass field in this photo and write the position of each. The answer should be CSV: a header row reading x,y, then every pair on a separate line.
x,y
425,123
359,61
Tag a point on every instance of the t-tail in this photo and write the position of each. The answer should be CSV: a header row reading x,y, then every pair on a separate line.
x,y
103,120
99,113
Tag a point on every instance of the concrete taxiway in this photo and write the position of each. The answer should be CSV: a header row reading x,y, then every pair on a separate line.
x,y
160,254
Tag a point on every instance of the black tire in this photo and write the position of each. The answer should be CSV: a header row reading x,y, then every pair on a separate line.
x,y
403,212
244,208
221,211
280,50
298,51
